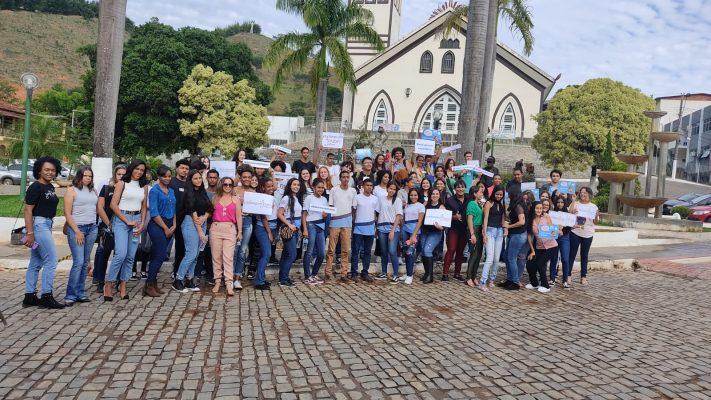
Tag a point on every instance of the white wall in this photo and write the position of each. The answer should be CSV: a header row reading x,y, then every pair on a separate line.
x,y
281,128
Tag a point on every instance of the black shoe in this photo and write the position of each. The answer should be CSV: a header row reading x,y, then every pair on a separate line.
x,y
429,267
100,287
48,301
210,281
178,286
445,278
458,278
262,287
144,275
84,300
250,275
190,285
286,284
512,286
134,277
30,300
503,284
268,284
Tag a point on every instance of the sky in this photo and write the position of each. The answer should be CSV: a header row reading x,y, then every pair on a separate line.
x,y
662,47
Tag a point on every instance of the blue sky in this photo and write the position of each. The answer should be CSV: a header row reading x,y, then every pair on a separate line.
x,y
662,47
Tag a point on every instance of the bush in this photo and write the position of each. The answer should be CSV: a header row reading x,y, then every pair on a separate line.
x,y
683,211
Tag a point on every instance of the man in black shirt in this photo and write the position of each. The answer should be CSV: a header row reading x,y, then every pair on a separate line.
x,y
182,167
303,163
366,172
489,180
514,185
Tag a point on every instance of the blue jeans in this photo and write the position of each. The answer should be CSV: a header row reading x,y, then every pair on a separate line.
x,y
159,248
316,248
43,257
430,240
361,244
495,240
517,251
125,244
564,254
192,249
389,253
584,244
80,261
288,255
241,250
265,247
410,251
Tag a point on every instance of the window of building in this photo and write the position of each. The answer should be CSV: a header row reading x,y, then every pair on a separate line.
x,y
448,63
450,114
426,62
449,44
508,120
695,129
707,124
381,114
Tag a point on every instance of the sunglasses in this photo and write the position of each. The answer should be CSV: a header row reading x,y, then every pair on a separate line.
x,y
227,185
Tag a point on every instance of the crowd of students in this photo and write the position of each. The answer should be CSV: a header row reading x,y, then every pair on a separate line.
x,y
384,202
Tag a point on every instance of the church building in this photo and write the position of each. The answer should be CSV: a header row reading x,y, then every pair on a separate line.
x,y
402,87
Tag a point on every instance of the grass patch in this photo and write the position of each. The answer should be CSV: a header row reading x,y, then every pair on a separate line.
x,y
10,205
707,229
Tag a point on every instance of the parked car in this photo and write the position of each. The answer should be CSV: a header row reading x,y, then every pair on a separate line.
x,y
699,200
701,213
13,176
679,201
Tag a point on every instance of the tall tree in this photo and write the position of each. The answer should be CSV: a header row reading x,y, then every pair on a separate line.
x,y
329,22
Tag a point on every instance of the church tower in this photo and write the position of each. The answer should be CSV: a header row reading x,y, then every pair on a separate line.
x,y
386,21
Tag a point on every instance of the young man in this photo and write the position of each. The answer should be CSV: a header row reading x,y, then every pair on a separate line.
x,y
212,178
514,185
487,180
364,217
245,173
182,167
334,169
304,162
469,176
555,175
366,172
281,156
343,197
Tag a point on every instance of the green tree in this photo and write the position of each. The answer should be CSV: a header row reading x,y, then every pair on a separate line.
x,y
573,129
329,23
59,101
8,93
46,137
221,114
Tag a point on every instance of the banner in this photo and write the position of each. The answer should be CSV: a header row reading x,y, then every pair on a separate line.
x,y
282,178
326,209
332,140
257,203
431,134
257,164
225,168
451,148
588,211
426,147
527,186
566,187
440,215
281,148
482,171
474,163
562,218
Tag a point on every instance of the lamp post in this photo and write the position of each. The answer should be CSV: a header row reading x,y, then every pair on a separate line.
x,y
29,81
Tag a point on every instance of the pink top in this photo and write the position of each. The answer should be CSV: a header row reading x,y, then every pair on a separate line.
x,y
224,213
543,243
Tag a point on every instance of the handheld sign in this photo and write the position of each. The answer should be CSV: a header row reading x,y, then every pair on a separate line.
x,y
451,148
282,178
482,171
546,231
257,164
440,215
528,186
326,209
474,163
281,148
431,134
257,203
536,194
363,153
225,168
457,168
332,140
566,187
563,218
426,147
588,211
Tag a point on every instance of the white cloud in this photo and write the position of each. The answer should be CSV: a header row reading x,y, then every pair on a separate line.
x,y
659,46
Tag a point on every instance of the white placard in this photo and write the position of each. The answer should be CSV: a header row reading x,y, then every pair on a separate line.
x,y
319,208
451,148
474,163
281,148
426,147
482,171
444,217
528,186
588,211
225,168
257,164
461,168
332,140
562,218
257,203
282,178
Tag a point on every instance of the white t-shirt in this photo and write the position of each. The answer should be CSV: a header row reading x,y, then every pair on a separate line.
x,y
344,201
412,211
284,203
380,192
588,229
366,208
388,211
333,170
312,216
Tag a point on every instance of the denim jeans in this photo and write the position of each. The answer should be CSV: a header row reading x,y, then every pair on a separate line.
x,y
584,244
361,244
265,252
43,257
80,261
125,244
430,241
288,255
517,251
316,249
495,240
388,252
241,250
409,251
192,249
564,255
159,248
101,258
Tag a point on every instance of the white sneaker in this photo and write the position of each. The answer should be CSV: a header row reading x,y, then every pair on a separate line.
x,y
408,280
402,278
529,286
237,285
543,289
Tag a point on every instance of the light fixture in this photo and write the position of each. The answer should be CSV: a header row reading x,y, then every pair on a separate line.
x,y
29,80
408,91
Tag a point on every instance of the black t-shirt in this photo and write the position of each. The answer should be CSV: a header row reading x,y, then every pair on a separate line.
x,y
107,192
453,204
489,180
513,218
178,187
43,198
200,204
298,165
360,176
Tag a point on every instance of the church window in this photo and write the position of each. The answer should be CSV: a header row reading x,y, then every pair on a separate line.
x,y
449,44
450,114
448,63
508,120
426,62
381,114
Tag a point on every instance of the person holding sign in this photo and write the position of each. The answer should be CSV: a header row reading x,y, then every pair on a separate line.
x,y
563,246
265,231
246,173
555,176
314,231
582,235
289,214
414,214
542,245
389,217
494,231
516,249
304,162
281,156
225,232
457,233
431,237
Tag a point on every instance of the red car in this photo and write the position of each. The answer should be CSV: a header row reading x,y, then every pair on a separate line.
x,y
701,213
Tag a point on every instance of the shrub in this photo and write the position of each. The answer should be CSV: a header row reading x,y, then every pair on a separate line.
x,y
683,211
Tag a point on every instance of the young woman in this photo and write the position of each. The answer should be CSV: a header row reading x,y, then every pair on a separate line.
x,y
239,157
161,227
315,231
496,182
143,256
289,214
197,209
457,233
475,218
325,176
516,248
582,235
379,164
441,185
265,231
425,188
388,227
382,180
40,208
494,231
440,173
546,205
305,188
414,215
451,175
80,212
398,161
541,250
431,237
225,232
563,246
106,242
129,207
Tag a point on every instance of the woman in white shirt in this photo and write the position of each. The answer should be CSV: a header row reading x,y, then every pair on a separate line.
x,y
314,232
289,214
382,180
414,215
388,228
582,235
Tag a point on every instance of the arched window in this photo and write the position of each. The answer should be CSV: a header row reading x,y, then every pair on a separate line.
x,y
426,62
381,114
455,44
450,114
508,120
448,63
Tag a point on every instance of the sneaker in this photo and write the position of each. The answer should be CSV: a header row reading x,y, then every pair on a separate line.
x,y
262,287
134,276
529,286
250,276
286,284
178,286
367,278
381,276
445,278
84,300
584,281
395,280
190,285
68,303
144,275
551,283
402,278
237,285
317,279
458,278
543,289
483,288
355,278
566,285
512,286
408,280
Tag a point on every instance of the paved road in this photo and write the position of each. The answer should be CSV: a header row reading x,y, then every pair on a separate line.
x,y
627,335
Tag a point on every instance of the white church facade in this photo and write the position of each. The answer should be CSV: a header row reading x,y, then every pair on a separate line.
x,y
403,86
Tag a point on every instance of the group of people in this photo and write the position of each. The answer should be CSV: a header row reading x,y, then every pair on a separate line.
x,y
327,212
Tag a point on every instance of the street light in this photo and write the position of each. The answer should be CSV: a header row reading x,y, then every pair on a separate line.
x,y
29,81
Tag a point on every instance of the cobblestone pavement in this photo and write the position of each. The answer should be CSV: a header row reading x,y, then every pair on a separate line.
x,y
627,335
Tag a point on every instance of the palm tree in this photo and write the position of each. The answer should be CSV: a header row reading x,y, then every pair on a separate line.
x,y
329,22
46,138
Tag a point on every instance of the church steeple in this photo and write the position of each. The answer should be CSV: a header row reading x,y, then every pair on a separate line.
x,y
386,21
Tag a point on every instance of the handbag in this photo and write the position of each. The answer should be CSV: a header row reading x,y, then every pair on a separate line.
x,y
106,238
285,232
17,235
